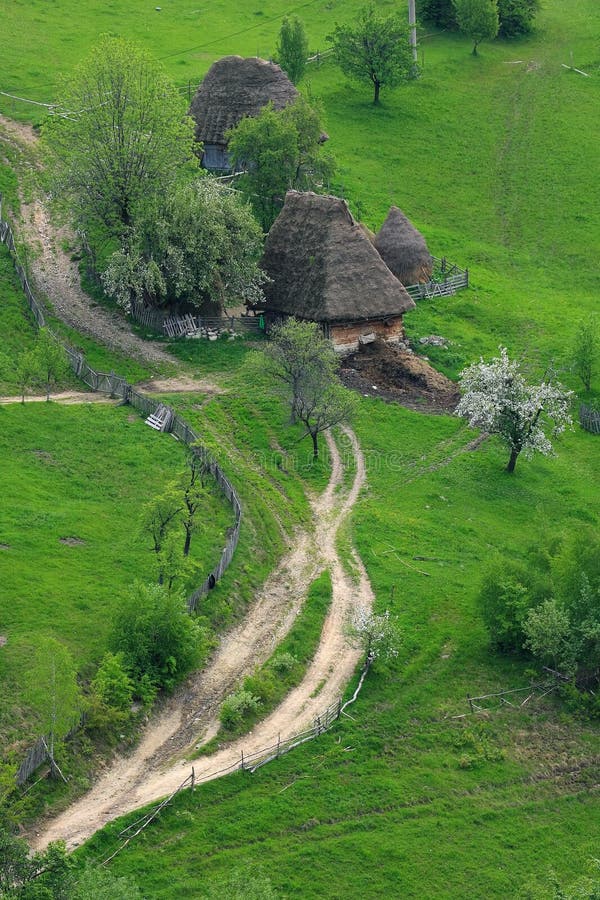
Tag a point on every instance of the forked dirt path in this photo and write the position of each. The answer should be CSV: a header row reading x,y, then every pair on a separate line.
x,y
191,717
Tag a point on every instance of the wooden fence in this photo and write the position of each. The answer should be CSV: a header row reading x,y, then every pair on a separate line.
x,y
248,762
589,418
116,386
447,279
204,326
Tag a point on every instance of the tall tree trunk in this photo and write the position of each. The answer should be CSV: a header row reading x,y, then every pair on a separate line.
x,y
513,460
188,539
315,445
376,97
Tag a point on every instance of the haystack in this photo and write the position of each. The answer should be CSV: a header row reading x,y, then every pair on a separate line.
x,y
403,249
233,88
323,268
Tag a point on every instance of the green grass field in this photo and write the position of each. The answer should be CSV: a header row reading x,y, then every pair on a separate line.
x,y
493,159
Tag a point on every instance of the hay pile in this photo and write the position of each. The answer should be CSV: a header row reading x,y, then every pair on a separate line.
x,y
403,249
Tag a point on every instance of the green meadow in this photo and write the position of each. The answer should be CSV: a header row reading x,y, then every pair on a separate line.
x,y
494,159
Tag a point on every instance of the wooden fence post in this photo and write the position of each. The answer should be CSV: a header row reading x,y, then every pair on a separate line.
x,y
242,765
193,779
470,702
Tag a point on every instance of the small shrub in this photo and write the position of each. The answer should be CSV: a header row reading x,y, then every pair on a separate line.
x,y
236,707
284,663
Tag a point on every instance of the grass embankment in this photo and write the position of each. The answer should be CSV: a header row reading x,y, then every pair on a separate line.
x,y
74,480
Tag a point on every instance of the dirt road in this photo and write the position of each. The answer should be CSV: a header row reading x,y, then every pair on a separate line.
x,y
150,772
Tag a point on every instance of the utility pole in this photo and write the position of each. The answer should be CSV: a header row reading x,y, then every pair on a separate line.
x,y
412,24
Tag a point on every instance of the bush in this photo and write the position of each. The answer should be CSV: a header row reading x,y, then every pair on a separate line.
x,y
516,16
284,663
236,707
112,683
438,12
504,601
158,639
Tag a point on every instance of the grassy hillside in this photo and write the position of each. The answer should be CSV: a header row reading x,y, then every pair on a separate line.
x,y
492,159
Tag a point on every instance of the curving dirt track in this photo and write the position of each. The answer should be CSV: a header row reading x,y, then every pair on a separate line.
x,y
54,273
191,717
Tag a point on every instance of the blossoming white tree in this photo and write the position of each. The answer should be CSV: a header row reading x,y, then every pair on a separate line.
x,y
497,398
377,634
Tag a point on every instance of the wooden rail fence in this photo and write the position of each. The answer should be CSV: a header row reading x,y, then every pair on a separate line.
x,y
446,280
116,386
589,418
209,327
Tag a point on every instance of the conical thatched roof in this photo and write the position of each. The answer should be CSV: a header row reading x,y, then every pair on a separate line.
x,y
324,268
403,249
235,87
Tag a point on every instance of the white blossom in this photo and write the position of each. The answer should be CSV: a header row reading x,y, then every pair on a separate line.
x,y
378,634
497,398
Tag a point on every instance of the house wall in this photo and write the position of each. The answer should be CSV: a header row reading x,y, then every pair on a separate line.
x,y
345,337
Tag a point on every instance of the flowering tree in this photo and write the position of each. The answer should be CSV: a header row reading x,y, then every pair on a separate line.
x,y
378,634
497,398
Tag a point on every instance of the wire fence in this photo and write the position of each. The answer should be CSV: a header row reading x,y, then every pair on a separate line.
x,y
118,387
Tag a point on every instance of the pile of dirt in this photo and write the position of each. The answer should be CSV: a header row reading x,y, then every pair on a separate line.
x,y
395,374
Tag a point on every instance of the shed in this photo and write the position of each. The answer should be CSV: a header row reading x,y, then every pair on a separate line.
x,y
323,268
235,87
403,249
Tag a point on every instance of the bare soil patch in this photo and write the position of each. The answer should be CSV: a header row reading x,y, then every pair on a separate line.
x,y
395,375
71,541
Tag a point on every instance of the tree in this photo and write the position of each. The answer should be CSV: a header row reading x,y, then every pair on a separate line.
x,y
27,372
51,691
49,361
29,875
586,350
547,631
279,150
303,366
374,49
158,517
496,398
477,19
194,490
516,16
112,683
295,349
292,48
378,635
119,138
155,634
198,245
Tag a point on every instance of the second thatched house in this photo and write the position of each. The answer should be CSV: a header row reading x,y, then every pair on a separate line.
x,y
232,89
323,268
403,249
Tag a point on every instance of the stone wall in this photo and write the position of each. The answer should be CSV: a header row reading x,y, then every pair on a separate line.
x,y
346,337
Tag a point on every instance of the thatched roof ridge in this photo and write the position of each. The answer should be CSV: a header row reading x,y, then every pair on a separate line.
x,y
403,248
324,268
235,87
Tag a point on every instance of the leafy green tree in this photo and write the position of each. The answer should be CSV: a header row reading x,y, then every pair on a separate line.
x,y
99,883
292,48
49,360
279,150
438,12
27,372
547,630
121,137
504,601
375,49
586,350
157,637
517,16
302,366
194,490
31,876
198,245
51,690
158,518
112,682
478,19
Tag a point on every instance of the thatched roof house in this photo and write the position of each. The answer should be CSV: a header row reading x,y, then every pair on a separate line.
x,y
233,88
325,269
403,249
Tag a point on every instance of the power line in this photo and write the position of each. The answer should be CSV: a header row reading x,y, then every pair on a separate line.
x,y
238,33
